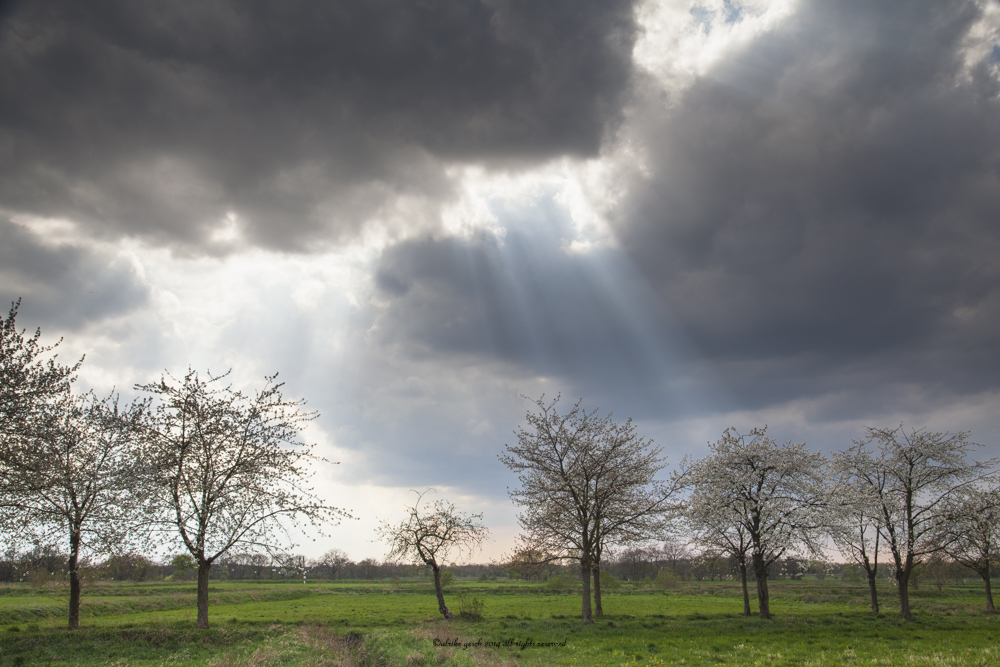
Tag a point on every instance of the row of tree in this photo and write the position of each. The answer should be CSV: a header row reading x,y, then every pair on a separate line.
x,y
195,463
192,462
589,484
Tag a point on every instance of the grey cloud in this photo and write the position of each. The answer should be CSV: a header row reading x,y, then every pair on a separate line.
x,y
818,222
821,210
585,319
304,118
65,286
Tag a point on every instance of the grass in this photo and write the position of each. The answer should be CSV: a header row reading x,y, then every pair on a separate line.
x,y
386,623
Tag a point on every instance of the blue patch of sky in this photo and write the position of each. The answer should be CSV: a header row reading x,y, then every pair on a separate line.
x,y
733,13
703,16
995,55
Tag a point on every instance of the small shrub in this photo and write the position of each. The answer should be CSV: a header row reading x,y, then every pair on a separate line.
x,y
560,582
470,607
446,578
609,582
666,579
40,577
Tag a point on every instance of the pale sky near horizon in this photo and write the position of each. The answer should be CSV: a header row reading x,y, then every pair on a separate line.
x,y
698,214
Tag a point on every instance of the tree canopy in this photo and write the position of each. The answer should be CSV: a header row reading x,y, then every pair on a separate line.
x,y
229,469
586,482
911,475
771,494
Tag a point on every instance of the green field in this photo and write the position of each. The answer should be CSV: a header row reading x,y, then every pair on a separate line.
x,y
395,623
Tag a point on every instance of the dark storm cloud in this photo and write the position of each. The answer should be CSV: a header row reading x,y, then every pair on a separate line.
x,y
64,286
156,119
522,298
818,219
822,207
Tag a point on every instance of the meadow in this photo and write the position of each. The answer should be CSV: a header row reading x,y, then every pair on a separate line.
x,y
390,622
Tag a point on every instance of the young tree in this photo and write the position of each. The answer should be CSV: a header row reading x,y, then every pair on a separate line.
x,y
631,507
182,564
774,494
855,518
969,532
229,469
586,482
716,526
30,379
429,537
910,477
75,478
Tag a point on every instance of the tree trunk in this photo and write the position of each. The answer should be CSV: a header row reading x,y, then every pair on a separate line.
x,y
442,607
74,581
871,572
989,591
873,590
903,587
204,567
746,591
588,617
598,610
763,599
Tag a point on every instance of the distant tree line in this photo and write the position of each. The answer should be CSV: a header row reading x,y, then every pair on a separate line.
x,y
43,565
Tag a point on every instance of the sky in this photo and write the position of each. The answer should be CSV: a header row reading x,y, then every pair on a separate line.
x,y
697,214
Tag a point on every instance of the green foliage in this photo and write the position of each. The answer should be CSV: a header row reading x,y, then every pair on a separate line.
x,y
447,577
40,577
559,582
609,582
183,563
131,567
470,607
666,579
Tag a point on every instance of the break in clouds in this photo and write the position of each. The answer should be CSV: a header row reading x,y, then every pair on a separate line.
x,y
795,203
